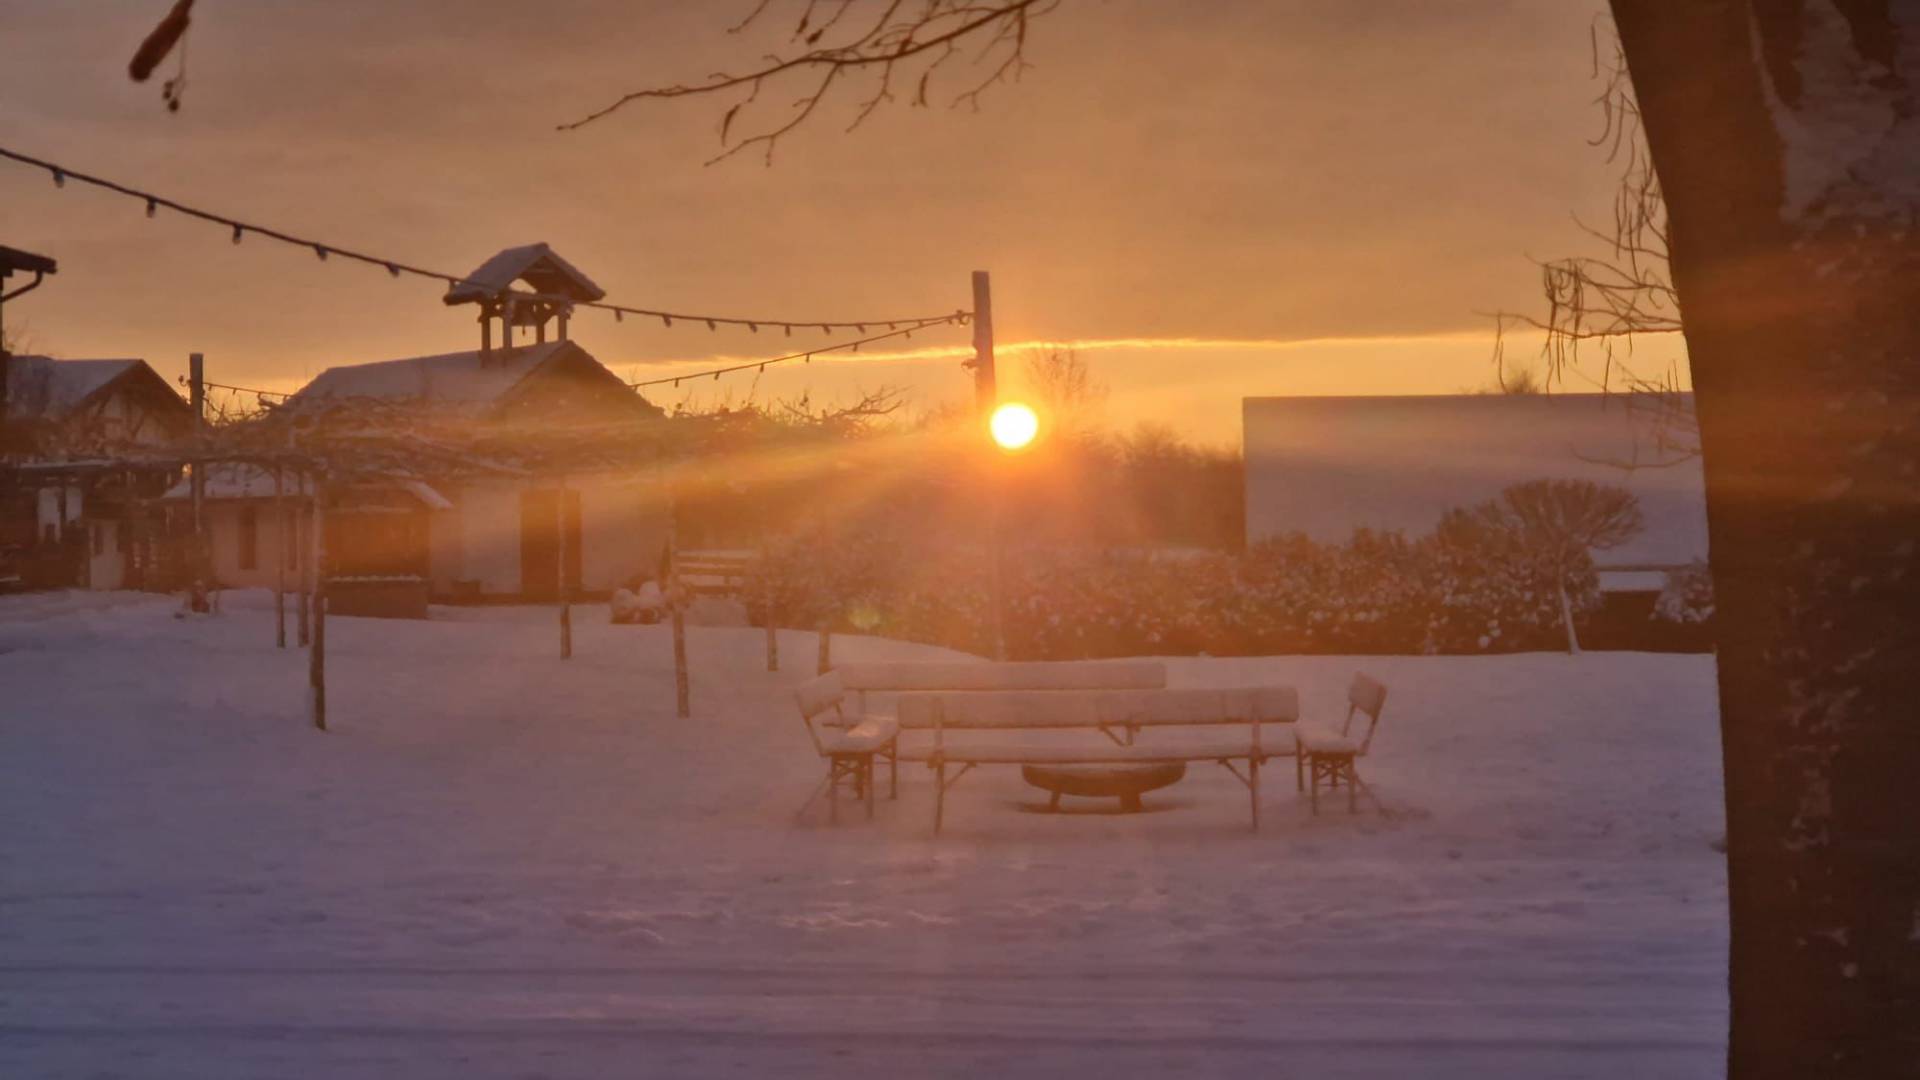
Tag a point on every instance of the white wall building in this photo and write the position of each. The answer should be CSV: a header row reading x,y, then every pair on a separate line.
x,y
1325,466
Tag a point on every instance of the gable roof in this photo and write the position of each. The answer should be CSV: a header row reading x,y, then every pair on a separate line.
x,y
468,379
1325,466
40,387
472,382
537,265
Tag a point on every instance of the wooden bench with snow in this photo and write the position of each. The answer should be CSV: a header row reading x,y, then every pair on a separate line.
x,y
1234,719
850,739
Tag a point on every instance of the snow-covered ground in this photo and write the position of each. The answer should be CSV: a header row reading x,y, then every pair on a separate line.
x,y
502,864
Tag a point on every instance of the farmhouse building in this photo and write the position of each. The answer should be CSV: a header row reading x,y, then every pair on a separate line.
x,y
75,509
464,535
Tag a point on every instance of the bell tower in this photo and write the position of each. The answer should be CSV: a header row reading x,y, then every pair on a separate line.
x,y
553,287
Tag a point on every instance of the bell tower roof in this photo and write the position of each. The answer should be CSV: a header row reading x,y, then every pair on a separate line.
x,y
544,271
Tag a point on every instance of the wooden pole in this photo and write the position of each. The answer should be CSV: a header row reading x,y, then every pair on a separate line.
x,y
279,557
560,570
317,655
826,650
996,552
303,615
681,691
986,396
985,390
773,633
197,396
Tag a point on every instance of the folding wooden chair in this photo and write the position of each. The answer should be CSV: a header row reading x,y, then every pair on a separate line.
x,y
1325,754
848,743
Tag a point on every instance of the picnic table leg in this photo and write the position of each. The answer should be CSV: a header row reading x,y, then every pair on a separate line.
x,y
1299,768
833,791
1253,786
893,769
1313,784
1353,788
867,764
939,795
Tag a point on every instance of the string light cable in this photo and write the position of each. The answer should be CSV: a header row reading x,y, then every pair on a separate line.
x,y
761,365
395,267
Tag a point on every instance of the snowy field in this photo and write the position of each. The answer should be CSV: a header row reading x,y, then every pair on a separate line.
x,y
500,864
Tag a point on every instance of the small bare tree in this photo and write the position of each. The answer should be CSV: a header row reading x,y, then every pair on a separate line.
x,y
1566,520
1063,383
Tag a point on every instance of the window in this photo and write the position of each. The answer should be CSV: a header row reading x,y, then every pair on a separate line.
x,y
249,537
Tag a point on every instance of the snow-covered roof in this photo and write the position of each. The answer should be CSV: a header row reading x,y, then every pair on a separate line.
x,y
537,265
1327,465
40,386
470,379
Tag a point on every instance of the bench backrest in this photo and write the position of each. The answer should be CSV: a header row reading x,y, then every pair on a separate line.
x,y
1366,697
1118,709
1014,675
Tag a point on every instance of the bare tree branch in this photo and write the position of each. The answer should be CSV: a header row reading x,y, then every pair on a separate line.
x,y
1607,301
901,35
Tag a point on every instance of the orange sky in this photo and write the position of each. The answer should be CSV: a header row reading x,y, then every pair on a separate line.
x,y
1236,198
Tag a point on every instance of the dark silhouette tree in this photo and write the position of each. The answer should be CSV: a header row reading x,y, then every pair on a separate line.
x,y
1786,134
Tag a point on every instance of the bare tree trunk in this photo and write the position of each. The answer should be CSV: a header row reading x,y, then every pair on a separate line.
x,y
1566,619
1784,135
826,650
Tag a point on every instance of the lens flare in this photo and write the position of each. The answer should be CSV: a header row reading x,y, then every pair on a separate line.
x,y
1014,425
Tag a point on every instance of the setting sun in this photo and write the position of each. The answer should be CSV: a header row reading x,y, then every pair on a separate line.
x,y
1014,425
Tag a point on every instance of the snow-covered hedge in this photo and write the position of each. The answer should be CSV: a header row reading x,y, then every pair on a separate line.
x,y
1688,597
1376,593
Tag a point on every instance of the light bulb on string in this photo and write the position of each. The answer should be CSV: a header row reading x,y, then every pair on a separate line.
x,y
320,251
392,270
237,232
152,207
59,179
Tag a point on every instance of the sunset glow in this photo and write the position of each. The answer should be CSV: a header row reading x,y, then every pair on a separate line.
x,y
1014,426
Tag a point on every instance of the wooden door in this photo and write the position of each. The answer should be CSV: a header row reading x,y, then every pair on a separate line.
x,y
540,545
543,531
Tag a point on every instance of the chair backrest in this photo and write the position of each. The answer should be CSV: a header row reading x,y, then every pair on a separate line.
x,y
1367,697
817,695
